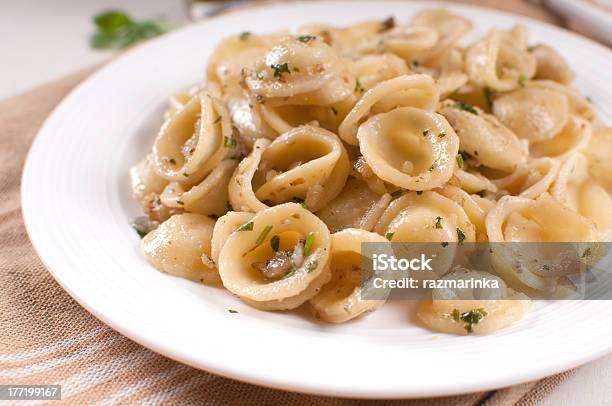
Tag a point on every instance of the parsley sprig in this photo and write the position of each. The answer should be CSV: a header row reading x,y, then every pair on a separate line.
x,y
117,30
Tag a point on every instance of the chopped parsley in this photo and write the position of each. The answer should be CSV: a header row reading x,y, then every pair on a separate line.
x,y
230,142
312,265
438,222
465,107
264,234
306,38
431,168
442,135
291,273
116,30
300,202
358,87
522,79
460,235
389,236
586,253
180,202
275,243
308,244
232,311
280,68
460,160
245,35
445,244
246,227
469,318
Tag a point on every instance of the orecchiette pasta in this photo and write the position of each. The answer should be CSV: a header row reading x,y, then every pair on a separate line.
x,y
410,148
341,298
297,149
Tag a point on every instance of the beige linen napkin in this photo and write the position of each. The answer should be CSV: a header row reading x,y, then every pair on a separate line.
x,y
47,338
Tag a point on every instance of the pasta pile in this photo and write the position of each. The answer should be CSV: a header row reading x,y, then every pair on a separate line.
x,y
267,177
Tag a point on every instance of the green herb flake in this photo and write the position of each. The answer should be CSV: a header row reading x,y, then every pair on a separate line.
x,y
438,222
358,86
389,236
230,142
280,68
431,168
460,161
472,317
264,234
442,135
245,35
465,107
275,243
522,79
426,132
246,227
180,202
290,273
306,38
460,235
312,265
308,244
586,253
444,244
456,315
232,311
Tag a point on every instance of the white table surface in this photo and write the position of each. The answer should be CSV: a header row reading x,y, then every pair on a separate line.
x,y
45,40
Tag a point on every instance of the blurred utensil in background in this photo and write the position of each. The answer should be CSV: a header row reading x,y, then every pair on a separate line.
x,y
592,18
199,9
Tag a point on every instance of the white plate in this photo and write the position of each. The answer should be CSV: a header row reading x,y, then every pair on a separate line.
x,y
77,205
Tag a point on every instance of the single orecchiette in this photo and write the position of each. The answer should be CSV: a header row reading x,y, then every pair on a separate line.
x,y
532,179
532,113
279,259
551,65
495,63
418,91
301,72
341,299
471,316
450,28
356,206
194,140
181,247
307,163
411,148
575,136
209,197
518,219
575,188
484,138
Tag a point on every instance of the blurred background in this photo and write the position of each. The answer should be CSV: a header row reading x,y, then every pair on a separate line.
x,y
44,40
